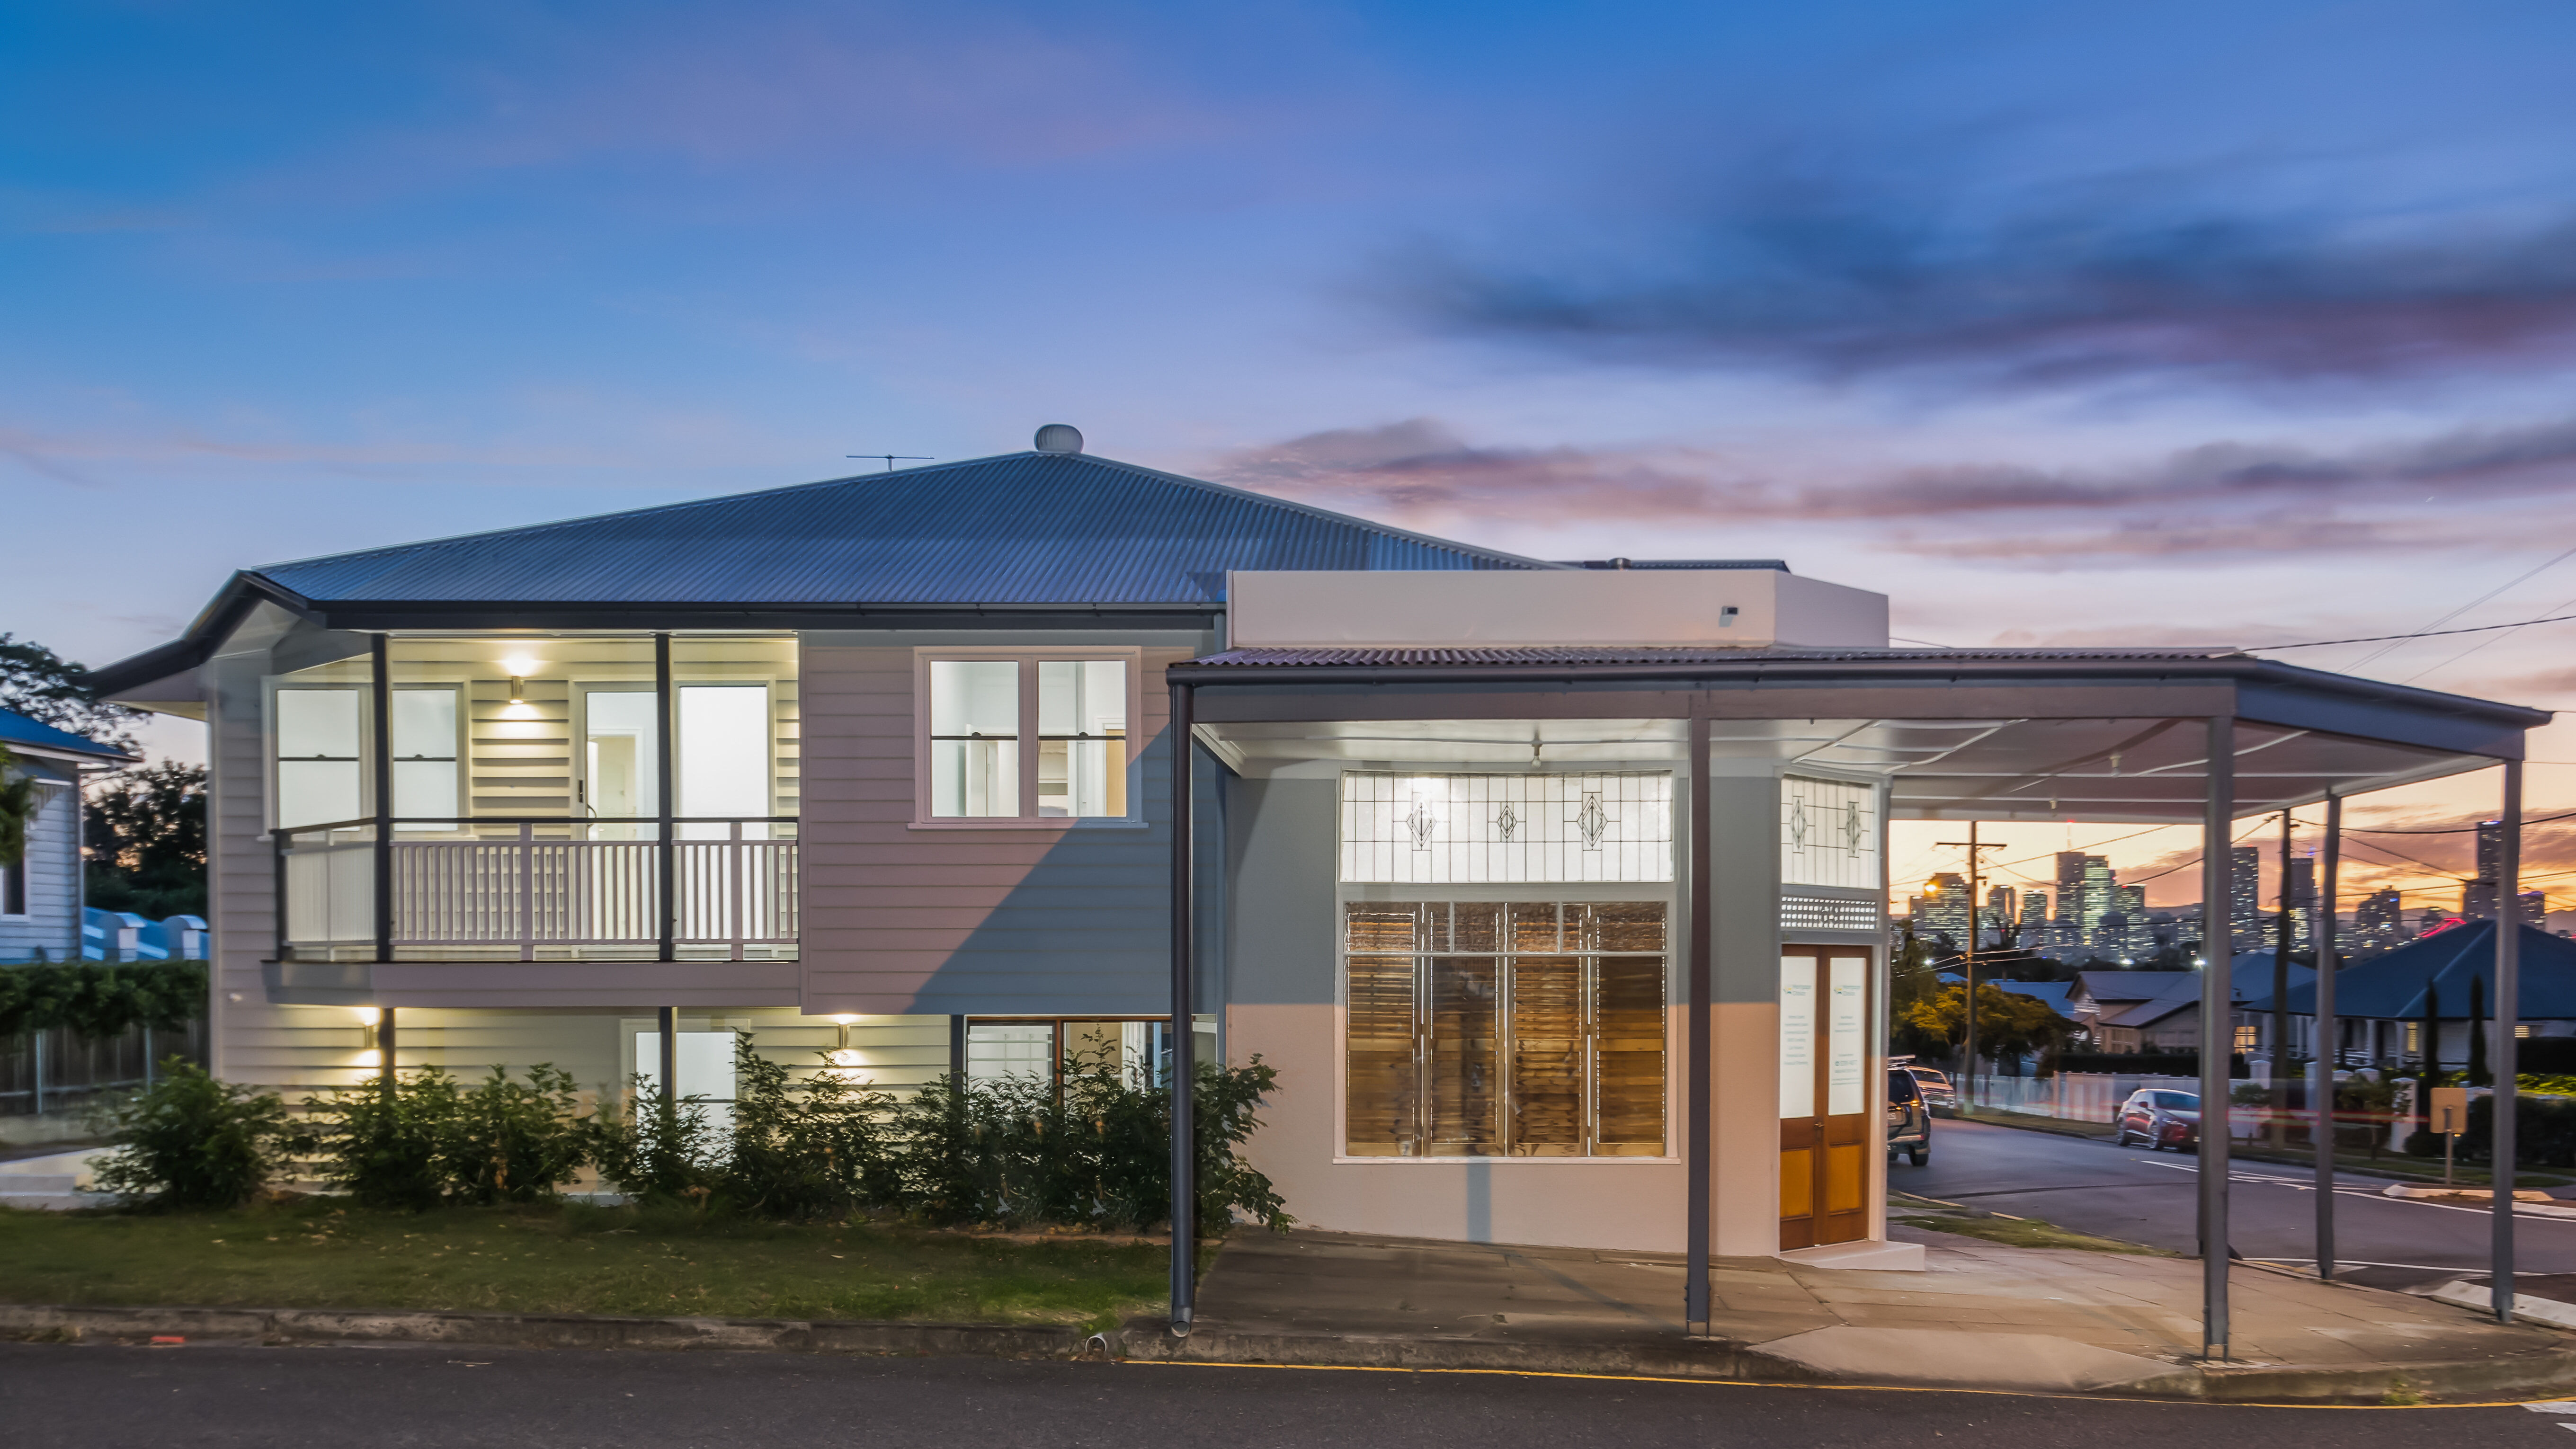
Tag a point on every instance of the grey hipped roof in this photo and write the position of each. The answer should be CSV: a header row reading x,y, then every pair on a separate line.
x,y
1021,528
939,546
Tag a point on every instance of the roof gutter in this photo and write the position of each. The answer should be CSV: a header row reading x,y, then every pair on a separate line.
x,y
1754,672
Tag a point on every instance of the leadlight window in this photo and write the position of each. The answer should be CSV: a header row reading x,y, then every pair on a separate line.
x,y
1504,1029
1828,833
1547,829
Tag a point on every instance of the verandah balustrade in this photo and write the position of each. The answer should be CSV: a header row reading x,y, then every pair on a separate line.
x,y
534,889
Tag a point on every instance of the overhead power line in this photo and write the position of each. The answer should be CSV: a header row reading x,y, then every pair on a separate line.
x,y
2426,634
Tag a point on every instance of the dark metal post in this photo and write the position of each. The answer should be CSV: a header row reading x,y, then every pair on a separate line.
x,y
1699,1147
670,1044
385,1047
2277,1101
2502,1053
667,858
2217,1034
2329,1033
380,736
1968,968
1184,754
957,1049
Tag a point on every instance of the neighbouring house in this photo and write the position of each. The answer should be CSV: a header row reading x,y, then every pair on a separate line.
x,y
40,896
2381,1004
2159,1011
1554,890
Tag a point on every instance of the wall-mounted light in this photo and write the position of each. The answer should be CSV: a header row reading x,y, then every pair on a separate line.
x,y
518,690
519,665
843,1022
368,1016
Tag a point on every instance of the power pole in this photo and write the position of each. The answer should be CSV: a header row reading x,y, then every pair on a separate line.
x,y
2278,1132
1968,962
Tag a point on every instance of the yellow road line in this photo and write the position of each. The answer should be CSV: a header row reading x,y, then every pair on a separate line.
x,y
1354,1368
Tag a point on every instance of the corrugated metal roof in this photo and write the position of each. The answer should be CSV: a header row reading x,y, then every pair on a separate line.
x,y
1022,528
1274,658
2393,987
18,729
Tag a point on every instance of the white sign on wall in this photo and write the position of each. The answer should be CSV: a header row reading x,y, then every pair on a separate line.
x,y
1846,1034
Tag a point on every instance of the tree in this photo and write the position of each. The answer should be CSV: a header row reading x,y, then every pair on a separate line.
x,y
2478,1034
18,805
47,688
146,830
2008,1024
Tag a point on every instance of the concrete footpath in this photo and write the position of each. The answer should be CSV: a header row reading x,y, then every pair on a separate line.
x,y
1982,1317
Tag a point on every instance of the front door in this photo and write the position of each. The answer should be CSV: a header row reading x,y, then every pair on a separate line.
x,y
1825,1134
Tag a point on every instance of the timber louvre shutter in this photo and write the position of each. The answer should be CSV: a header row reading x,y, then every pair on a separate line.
x,y
1492,1029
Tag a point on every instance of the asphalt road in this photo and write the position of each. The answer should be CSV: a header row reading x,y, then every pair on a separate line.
x,y
2148,1197
77,1396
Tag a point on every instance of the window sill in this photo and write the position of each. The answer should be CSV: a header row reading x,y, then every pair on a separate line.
x,y
1050,822
1517,1161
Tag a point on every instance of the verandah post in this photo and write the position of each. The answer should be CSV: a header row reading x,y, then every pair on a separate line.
x,y
2503,1049
2217,1033
1183,755
2325,1050
1698,1148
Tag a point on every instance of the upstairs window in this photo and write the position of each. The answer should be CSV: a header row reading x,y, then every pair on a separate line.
x,y
1025,738
319,749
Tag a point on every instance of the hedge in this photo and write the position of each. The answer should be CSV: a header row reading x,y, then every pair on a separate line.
x,y
99,999
2169,1064
2544,1131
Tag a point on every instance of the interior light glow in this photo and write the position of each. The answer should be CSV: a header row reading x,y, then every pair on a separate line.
x,y
519,666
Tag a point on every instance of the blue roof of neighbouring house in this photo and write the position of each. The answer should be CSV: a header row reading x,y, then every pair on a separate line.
x,y
18,730
2052,992
2393,986
1021,528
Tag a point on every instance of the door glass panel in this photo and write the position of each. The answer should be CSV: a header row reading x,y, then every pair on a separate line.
x,y
621,761
999,1049
1466,1097
1082,737
1547,1058
1846,1043
722,757
974,737
1797,1036
705,1060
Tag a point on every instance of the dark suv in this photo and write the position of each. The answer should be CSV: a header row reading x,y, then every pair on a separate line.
x,y
1909,1120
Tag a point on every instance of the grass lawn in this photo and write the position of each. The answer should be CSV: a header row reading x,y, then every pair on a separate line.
x,y
569,1259
2011,1231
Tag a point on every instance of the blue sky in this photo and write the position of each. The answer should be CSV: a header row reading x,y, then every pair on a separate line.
x,y
2064,323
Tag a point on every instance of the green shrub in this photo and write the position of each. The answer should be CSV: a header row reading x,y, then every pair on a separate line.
x,y
1095,1154
661,1152
390,1149
2544,1131
803,1150
193,1142
514,1142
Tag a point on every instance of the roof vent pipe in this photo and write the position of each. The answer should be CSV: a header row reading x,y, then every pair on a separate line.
x,y
1059,438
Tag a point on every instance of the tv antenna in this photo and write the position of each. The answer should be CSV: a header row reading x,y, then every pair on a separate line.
x,y
889,459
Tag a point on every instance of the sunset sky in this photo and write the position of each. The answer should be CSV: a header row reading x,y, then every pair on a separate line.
x,y
2059,323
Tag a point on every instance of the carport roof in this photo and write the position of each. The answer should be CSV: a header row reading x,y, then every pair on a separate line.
x,y
1991,734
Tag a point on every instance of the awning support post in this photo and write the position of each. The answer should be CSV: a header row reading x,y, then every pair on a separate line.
x,y
1699,1145
2217,1032
2502,1054
2327,1048
1184,755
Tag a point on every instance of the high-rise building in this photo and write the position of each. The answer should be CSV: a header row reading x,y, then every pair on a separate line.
x,y
1942,909
1999,915
2377,924
2301,897
2066,932
2101,898
2035,928
2137,937
2478,897
2245,896
2535,909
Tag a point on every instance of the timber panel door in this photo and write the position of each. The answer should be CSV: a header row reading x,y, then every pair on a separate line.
x,y
1825,1122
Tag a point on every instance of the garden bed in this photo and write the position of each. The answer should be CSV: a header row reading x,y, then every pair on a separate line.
x,y
573,1258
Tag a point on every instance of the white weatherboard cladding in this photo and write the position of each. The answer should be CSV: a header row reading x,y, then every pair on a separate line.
x,y
1846,1046
1797,1036
1458,829
1828,833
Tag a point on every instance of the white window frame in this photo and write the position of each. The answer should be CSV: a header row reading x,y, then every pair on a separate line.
x,y
278,683
1028,660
